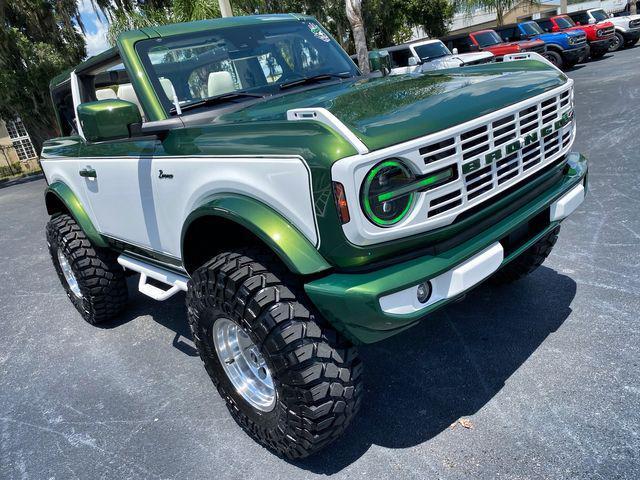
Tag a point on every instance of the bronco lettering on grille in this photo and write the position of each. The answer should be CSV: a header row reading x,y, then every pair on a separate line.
x,y
517,144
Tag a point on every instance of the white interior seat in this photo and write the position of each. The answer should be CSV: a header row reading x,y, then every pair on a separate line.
x,y
126,92
167,87
105,94
220,83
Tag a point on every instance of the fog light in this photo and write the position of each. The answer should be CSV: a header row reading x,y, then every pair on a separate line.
x,y
424,292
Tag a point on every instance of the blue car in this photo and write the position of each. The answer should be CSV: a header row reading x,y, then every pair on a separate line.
x,y
564,49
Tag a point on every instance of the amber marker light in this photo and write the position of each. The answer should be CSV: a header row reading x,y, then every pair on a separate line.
x,y
341,202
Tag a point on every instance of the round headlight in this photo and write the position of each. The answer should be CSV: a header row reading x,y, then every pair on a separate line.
x,y
383,200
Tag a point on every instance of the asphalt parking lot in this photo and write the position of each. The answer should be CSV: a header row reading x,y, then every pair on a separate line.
x,y
546,370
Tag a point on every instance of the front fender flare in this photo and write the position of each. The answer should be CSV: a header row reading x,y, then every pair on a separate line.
x,y
65,195
286,241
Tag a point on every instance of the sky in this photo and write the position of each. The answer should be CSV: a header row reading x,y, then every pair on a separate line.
x,y
96,27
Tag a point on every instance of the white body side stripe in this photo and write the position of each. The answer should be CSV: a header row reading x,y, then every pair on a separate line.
x,y
129,201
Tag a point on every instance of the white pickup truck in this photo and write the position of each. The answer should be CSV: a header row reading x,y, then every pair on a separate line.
x,y
428,55
627,27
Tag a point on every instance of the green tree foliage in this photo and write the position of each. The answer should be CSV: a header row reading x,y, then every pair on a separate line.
x,y
38,40
386,21
150,14
501,7
433,16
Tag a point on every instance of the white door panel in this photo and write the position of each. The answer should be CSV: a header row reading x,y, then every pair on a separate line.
x,y
121,197
284,184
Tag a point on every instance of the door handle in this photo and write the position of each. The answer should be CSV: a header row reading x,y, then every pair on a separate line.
x,y
88,173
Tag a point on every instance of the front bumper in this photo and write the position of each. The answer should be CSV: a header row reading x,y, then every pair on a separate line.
x,y
352,301
576,55
631,35
599,46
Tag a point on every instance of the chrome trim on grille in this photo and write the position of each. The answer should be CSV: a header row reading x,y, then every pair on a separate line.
x,y
460,146
580,40
607,31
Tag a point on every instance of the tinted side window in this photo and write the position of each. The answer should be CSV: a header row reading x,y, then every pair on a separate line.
x,y
583,18
546,25
508,34
462,44
400,58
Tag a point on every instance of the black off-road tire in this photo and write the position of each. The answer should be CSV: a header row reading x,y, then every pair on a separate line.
x,y
316,372
555,58
100,278
528,260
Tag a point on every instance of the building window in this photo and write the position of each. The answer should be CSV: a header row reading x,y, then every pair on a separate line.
x,y
21,140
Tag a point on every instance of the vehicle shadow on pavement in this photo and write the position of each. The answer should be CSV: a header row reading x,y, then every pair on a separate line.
x,y
420,382
171,314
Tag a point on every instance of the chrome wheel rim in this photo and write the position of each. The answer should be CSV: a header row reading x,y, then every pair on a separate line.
x,y
244,364
69,276
615,44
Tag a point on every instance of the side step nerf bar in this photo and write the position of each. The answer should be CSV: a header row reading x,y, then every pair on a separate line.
x,y
174,281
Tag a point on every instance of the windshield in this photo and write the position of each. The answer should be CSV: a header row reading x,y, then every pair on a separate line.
x,y
599,15
531,28
564,22
485,39
255,60
431,50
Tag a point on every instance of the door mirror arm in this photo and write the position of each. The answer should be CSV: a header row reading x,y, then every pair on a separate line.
x,y
159,128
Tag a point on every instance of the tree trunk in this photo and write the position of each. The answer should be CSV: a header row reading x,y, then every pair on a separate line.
x,y
563,6
633,8
354,14
499,17
225,8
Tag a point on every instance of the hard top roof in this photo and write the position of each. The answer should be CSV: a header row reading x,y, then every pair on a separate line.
x,y
510,25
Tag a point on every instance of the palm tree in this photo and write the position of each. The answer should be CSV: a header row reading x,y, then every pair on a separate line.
x,y
149,16
354,14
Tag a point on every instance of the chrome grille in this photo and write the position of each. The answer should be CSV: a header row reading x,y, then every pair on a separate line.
x,y
456,148
473,145
580,40
607,31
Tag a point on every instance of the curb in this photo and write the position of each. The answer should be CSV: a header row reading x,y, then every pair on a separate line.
x,y
18,181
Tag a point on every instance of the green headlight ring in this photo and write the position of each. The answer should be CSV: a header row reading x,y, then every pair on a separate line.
x,y
366,204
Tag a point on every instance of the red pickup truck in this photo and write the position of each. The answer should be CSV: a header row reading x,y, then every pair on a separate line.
x,y
599,35
490,41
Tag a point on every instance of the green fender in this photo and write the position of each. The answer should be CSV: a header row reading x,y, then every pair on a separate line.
x,y
77,211
293,248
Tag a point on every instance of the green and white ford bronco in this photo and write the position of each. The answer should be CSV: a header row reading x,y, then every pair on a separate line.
x,y
303,207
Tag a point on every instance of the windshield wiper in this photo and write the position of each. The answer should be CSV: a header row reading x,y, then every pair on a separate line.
x,y
225,97
433,57
313,79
